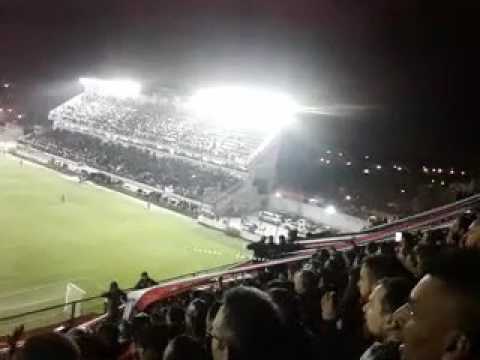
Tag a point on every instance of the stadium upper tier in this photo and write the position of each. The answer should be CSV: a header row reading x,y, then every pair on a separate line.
x,y
161,122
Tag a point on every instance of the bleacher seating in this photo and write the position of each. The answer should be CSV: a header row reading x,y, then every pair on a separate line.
x,y
159,122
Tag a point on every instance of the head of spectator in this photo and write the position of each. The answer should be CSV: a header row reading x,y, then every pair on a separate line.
x,y
472,238
154,341
49,346
442,317
114,286
145,281
90,345
425,254
212,312
375,268
175,319
387,248
248,326
287,305
371,248
184,347
195,319
305,281
385,299
460,228
407,244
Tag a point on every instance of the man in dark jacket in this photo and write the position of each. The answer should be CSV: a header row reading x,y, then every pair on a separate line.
x,y
145,281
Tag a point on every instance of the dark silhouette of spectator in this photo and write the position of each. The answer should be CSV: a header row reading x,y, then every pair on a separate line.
x,y
184,347
301,341
91,346
175,319
108,333
145,281
49,346
195,319
154,341
441,320
248,326
115,297
459,228
306,287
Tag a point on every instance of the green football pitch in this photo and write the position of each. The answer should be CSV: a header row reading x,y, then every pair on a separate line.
x,y
92,238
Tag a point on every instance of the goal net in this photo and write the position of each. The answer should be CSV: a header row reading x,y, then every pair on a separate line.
x,y
74,293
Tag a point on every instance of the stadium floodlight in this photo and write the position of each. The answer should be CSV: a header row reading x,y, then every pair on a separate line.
x,y
241,107
348,198
278,194
116,88
330,210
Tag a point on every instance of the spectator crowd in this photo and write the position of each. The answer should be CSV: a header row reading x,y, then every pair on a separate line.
x,y
185,177
416,299
160,122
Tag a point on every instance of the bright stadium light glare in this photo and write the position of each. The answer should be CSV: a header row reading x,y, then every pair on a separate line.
x,y
330,210
115,88
252,108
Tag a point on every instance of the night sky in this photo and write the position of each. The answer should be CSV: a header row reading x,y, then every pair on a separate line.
x,y
412,64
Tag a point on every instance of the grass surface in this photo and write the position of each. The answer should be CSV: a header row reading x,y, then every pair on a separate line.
x,y
94,237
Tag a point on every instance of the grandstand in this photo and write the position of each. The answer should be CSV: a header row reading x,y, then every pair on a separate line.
x,y
160,122
230,132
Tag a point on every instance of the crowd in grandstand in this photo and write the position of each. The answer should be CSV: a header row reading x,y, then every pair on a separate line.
x,y
182,176
362,303
157,122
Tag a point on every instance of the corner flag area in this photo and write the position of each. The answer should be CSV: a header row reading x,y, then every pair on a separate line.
x,y
92,237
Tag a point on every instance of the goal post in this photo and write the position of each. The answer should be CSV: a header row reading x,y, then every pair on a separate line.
x,y
74,293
